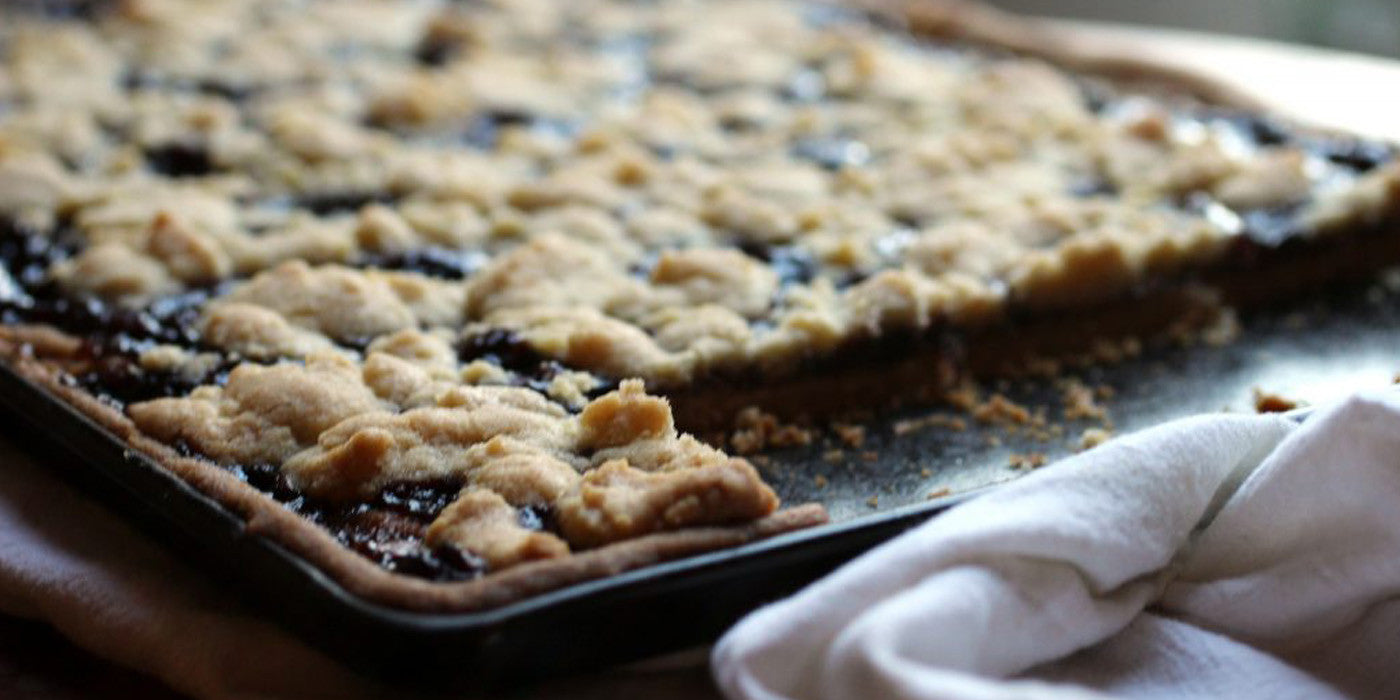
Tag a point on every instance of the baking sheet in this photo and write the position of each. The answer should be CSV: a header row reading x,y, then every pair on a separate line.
x,y
1310,352
1313,351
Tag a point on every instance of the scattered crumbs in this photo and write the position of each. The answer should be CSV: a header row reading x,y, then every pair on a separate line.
x,y
820,481
791,436
756,430
1079,401
873,501
1029,460
926,472
834,455
1104,392
1093,437
940,493
1000,409
993,441
1269,402
870,456
851,435
760,460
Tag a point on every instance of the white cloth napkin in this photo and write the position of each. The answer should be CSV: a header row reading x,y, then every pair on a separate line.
x,y
1218,556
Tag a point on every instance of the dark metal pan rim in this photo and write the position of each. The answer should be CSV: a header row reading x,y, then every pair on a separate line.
x,y
617,584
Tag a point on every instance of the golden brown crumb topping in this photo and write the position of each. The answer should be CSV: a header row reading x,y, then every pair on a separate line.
x,y
670,189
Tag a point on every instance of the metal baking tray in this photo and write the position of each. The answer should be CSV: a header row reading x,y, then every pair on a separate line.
x,y
1311,352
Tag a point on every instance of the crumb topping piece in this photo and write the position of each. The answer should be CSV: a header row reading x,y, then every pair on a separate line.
x,y
344,432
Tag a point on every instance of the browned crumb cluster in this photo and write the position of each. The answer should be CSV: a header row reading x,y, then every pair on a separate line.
x,y
756,430
1080,401
1000,410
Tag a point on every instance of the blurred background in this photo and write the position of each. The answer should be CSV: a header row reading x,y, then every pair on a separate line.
x,y
1372,26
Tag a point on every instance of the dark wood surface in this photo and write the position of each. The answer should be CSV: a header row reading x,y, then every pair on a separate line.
x,y
37,663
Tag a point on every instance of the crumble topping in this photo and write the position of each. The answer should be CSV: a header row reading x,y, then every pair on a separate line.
x,y
669,190
341,431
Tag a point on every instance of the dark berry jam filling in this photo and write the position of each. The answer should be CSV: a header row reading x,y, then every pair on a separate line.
x,y
387,530
180,159
794,265
113,336
832,153
528,368
431,261
342,202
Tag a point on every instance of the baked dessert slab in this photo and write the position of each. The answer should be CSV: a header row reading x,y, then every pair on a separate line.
x,y
411,271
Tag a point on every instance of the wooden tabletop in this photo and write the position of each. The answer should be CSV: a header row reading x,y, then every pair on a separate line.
x,y
36,663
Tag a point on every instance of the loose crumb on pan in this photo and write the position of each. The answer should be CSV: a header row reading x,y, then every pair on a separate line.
x,y
849,433
1270,402
756,430
939,493
1000,410
965,397
1079,401
1029,460
1093,437
936,420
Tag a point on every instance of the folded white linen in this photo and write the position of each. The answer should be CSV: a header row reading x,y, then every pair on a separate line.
x,y
1217,556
